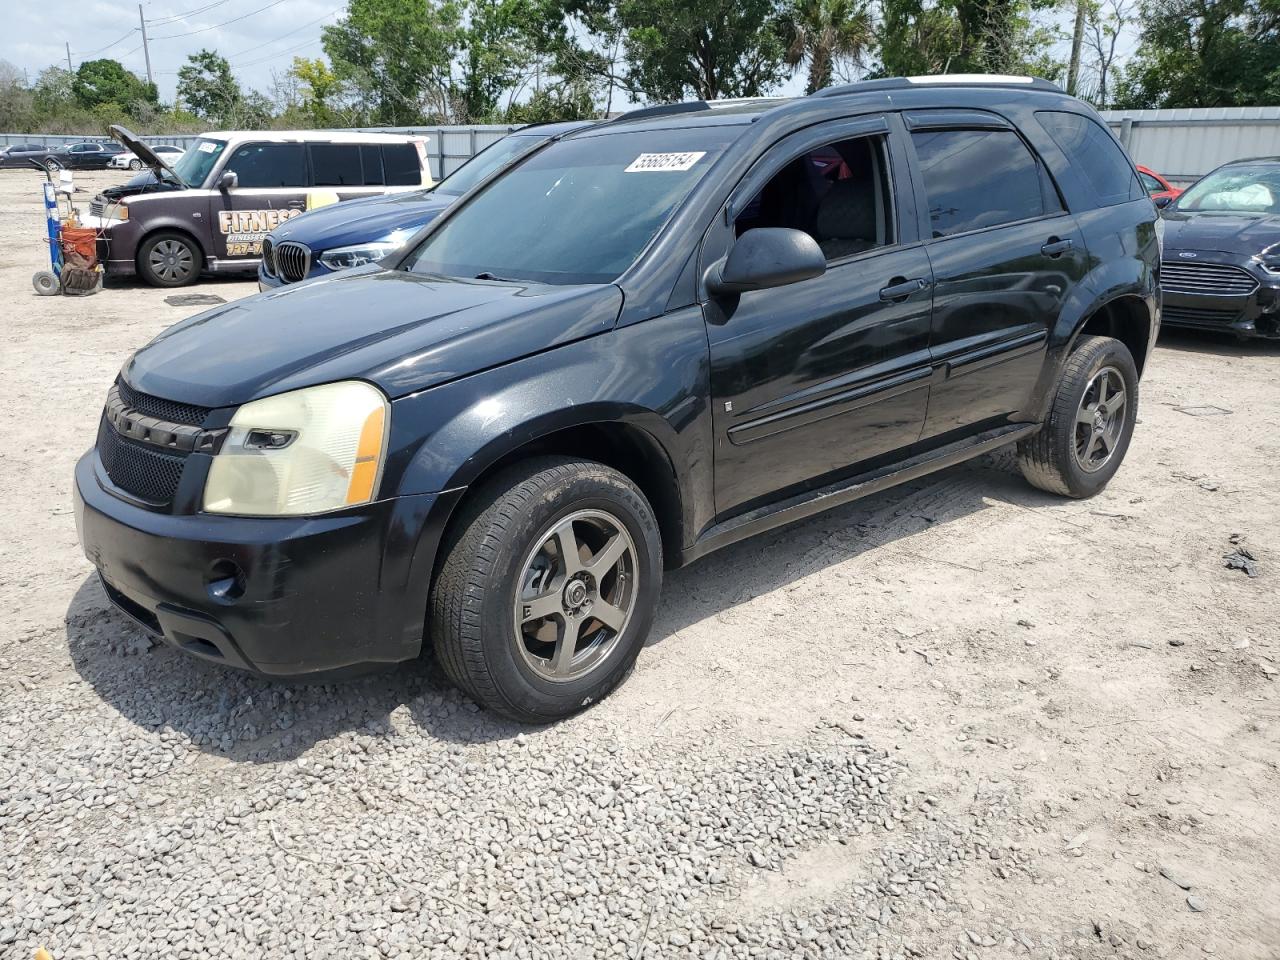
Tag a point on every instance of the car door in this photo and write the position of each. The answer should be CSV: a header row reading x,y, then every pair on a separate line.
x,y
272,183
822,377
1004,254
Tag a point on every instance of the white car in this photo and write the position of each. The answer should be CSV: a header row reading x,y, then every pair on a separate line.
x,y
130,161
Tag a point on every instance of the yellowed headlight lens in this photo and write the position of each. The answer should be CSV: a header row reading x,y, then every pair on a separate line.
x,y
335,441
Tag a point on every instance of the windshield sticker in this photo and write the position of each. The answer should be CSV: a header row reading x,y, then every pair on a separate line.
x,y
207,147
664,162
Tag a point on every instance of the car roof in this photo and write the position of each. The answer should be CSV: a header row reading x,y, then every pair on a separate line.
x,y
309,136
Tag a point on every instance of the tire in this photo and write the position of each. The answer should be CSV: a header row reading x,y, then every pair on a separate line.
x,y
169,259
1074,454
52,165
504,549
46,283
135,164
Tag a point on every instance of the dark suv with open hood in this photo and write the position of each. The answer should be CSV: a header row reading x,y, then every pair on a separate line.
x,y
640,342
210,209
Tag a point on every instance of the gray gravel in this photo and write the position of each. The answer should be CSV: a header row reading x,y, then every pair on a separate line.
x,y
154,804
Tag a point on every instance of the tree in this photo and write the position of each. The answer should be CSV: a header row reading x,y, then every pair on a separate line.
x,y
1105,23
399,54
708,50
821,33
317,88
106,83
964,36
15,99
52,90
207,88
1205,53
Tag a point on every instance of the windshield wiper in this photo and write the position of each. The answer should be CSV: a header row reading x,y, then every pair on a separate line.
x,y
493,276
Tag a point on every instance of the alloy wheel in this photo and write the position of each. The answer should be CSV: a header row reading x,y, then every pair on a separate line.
x,y
575,596
1100,419
171,260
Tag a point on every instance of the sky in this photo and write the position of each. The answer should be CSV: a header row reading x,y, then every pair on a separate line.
x,y
256,36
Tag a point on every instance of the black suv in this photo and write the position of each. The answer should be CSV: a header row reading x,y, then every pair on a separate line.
x,y
645,340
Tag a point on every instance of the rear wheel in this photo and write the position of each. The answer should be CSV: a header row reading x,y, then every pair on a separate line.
x,y
1090,423
169,260
52,165
548,588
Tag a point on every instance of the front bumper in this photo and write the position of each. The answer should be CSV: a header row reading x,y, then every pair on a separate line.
x,y
1256,315
282,596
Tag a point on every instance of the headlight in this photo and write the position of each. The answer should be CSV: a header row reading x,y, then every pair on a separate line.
x,y
1269,259
306,451
343,258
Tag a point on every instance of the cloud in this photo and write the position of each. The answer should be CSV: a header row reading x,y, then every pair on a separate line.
x,y
264,37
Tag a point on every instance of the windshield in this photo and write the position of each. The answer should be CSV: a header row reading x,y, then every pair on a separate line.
x,y
484,163
1241,188
194,165
580,211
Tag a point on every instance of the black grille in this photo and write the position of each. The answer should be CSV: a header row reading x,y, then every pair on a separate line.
x,y
161,409
1206,279
269,257
145,473
292,261
1194,317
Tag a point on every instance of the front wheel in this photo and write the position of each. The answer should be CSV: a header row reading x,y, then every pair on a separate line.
x,y
548,588
135,164
169,260
1083,442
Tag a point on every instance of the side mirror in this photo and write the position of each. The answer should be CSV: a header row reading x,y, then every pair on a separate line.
x,y
767,257
228,180
1162,202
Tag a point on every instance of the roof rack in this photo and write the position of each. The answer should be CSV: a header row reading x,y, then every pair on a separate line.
x,y
691,106
941,80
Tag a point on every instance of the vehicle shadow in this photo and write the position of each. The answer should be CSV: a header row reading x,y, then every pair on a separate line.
x,y
250,719
1217,344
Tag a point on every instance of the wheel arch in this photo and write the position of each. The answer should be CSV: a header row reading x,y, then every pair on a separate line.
x,y
1125,318
170,226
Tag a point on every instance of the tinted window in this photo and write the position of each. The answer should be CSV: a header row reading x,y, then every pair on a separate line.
x,y
837,194
978,178
336,165
579,211
400,165
1095,154
484,163
1151,183
270,165
371,156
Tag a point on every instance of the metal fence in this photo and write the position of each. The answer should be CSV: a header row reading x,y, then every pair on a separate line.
x,y
1183,145
448,147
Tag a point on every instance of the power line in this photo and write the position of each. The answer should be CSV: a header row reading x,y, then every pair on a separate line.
x,y
279,53
92,53
189,33
182,16
289,34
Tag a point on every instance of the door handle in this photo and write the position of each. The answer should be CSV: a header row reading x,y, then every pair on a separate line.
x,y
1055,247
899,288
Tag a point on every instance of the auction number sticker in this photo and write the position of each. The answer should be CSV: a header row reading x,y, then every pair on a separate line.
x,y
664,162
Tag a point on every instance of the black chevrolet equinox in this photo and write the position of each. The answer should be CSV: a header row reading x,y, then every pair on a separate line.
x,y
648,339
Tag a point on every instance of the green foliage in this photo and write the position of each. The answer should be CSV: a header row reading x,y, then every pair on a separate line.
x,y
107,89
207,88
964,36
1205,53
707,50
821,33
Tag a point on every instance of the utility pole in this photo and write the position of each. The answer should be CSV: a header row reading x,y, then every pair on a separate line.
x,y
1077,41
69,70
146,51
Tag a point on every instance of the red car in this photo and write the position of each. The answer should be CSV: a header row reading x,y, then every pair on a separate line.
x,y
1160,189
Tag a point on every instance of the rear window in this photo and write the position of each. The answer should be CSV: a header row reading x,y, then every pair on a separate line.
x,y
978,178
270,165
371,157
1095,154
336,165
400,165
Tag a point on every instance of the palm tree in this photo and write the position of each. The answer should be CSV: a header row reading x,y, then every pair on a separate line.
x,y
822,32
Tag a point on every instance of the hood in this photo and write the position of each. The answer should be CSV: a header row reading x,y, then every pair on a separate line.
x,y
145,182
401,331
129,140
1244,234
361,221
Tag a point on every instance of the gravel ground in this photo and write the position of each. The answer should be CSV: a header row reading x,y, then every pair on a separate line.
x,y
962,719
